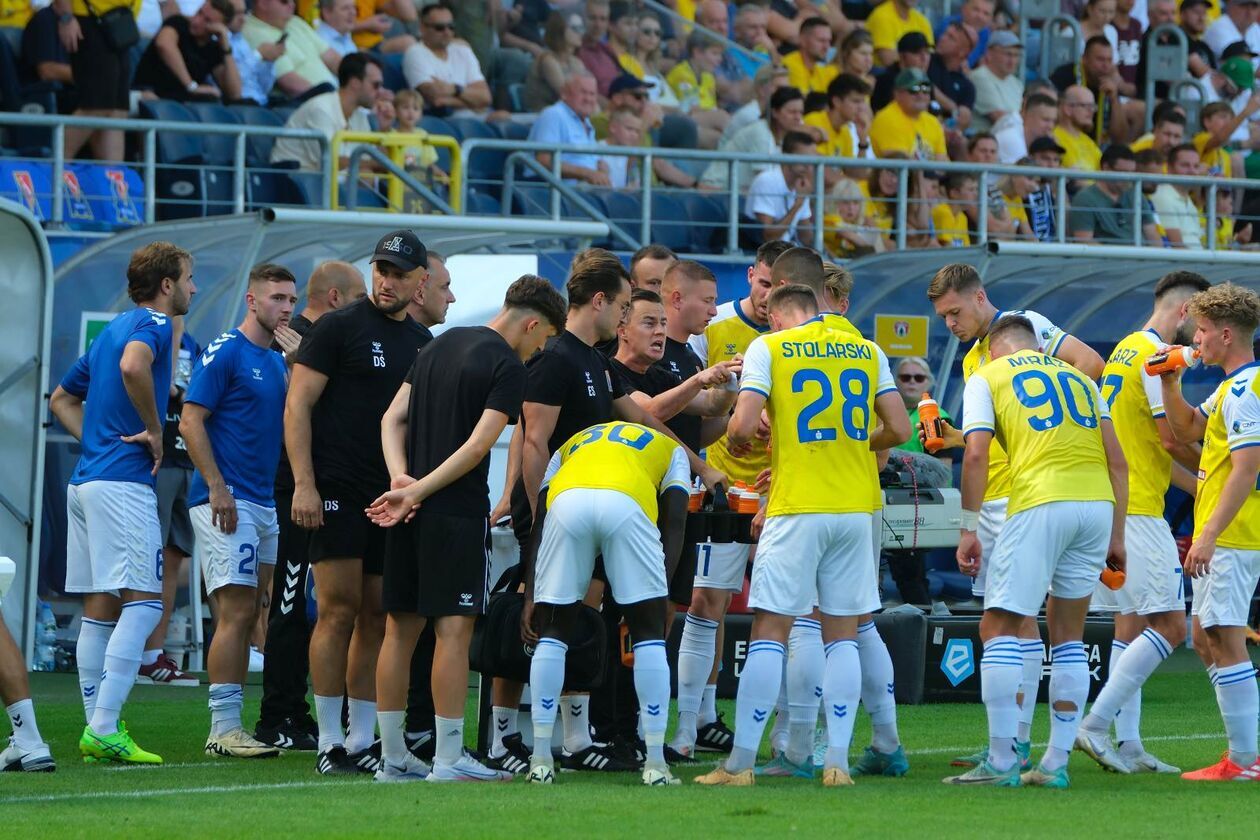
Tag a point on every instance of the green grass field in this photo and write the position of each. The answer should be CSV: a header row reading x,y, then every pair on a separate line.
x,y
195,795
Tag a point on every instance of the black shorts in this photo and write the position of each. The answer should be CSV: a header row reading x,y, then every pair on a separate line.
x,y
438,564
101,75
684,579
347,532
172,495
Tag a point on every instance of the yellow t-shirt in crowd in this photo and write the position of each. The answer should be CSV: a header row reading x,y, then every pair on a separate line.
x,y
1215,162
682,79
951,226
1079,150
100,7
808,81
16,13
631,65
893,130
887,27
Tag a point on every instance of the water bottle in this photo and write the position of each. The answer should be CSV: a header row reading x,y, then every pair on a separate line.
x,y
45,638
930,417
1173,358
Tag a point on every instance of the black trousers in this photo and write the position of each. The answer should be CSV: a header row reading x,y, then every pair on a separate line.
x,y
908,572
614,706
286,668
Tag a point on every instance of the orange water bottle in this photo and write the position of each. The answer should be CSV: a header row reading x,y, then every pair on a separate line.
x,y
1170,359
930,417
1112,578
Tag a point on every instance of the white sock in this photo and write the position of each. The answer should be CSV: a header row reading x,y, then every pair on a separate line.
x,y
651,684
504,725
1120,698
393,740
577,722
806,662
328,716
1029,684
1239,699
708,705
150,657
546,681
779,730
695,661
1001,671
226,700
878,688
122,661
842,688
1069,685
450,739
1128,721
25,729
758,688
90,655
361,717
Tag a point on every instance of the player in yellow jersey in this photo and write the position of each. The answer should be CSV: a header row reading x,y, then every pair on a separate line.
x,y
1151,607
800,696
1066,516
603,493
720,566
959,298
1225,557
823,391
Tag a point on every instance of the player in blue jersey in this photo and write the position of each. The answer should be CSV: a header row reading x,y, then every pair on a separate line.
x,y
232,424
114,541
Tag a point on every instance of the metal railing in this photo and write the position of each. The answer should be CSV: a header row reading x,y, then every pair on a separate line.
x,y
395,145
988,175
149,164
397,175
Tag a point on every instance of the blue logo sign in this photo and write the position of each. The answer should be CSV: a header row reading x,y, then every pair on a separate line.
x,y
959,661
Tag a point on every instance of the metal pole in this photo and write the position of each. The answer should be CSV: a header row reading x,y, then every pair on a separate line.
x,y
238,175
982,220
150,175
732,210
1137,212
555,194
1060,209
58,174
645,227
903,197
817,211
1211,218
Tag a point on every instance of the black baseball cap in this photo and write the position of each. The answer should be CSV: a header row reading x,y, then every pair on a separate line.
x,y
1188,4
1045,144
913,42
1237,48
402,249
626,82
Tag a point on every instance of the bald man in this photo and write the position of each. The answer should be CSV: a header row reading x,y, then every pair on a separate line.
x,y
285,718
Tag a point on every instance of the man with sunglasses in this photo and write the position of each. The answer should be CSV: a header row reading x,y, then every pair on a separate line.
x,y
447,74
914,378
906,125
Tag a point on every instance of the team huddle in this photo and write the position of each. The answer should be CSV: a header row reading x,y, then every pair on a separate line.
x,y
624,398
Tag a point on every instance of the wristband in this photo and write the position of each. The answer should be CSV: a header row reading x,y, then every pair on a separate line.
x,y
66,18
191,86
970,520
732,383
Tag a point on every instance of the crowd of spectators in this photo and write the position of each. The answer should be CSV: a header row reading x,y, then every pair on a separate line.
x,y
842,80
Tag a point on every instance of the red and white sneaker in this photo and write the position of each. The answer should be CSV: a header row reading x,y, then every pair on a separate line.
x,y
164,672
1225,771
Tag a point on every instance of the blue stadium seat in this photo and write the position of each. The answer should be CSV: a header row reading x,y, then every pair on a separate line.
x,y
28,183
482,204
392,71
467,128
266,189
624,208
531,200
258,149
511,130
437,125
219,154
311,185
179,187
707,215
669,222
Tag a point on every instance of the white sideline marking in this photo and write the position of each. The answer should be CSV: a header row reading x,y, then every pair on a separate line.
x,y
148,794
118,768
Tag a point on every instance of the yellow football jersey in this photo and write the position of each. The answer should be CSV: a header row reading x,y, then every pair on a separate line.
x,y
1233,422
1049,339
1135,401
627,457
728,335
1047,416
820,385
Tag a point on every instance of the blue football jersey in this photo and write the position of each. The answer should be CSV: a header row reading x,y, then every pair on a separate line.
x,y
108,414
243,387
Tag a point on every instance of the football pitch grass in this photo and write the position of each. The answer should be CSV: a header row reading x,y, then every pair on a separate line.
x,y
195,795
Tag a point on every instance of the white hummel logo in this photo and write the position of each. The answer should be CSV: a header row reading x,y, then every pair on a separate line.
x,y
465,599
394,244
376,347
258,374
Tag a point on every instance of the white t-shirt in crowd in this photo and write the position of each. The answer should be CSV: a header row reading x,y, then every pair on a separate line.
x,y
322,113
460,66
770,196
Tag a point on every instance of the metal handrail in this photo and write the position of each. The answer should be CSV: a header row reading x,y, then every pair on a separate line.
x,y
1058,177
404,177
560,187
396,143
150,128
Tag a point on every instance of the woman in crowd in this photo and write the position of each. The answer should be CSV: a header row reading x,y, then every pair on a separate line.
x,y
784,113
549,72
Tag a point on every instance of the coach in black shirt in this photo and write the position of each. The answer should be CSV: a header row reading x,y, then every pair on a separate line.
x,y
461,392
348,369
285,719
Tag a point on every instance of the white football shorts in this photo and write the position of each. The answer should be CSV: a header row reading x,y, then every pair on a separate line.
x,y
233,559
113,538
1058,548
822,558
1222,598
